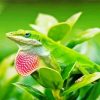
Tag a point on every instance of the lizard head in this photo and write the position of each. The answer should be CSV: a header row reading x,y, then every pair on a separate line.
x,y
26,61
25,37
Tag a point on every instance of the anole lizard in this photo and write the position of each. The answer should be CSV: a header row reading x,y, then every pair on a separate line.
x,y
34,46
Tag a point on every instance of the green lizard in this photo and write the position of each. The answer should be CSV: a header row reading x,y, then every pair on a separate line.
x,y
34,46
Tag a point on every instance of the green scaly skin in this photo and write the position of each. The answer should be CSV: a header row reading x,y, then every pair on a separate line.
x,y
62,55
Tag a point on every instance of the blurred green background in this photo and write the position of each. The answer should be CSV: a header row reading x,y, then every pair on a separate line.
x,y
18,14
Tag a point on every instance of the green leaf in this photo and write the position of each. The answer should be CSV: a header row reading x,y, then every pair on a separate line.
x,y
44,22
73,19
95,93
7,62
33,91
82,68
86,35
49,94
68,70
8,75
59,31
50,78
83,81
6,86
84,92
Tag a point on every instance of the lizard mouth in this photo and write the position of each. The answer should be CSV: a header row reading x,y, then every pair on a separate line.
x,y
22,40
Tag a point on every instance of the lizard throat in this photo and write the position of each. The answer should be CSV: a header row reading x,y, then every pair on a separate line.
x,y
26,63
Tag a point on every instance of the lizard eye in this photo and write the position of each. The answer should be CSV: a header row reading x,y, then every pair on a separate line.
x,y
27,35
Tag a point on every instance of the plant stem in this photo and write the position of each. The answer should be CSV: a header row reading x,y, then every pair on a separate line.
x,y
56,94
82,69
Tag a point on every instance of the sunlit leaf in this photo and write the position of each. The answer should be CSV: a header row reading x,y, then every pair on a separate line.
x,y
73,19
86,35
33,91
44,22
70,22
7,62
50,78
49,25
83,81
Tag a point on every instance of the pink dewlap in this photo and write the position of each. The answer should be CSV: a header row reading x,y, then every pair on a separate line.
x,y
26,63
